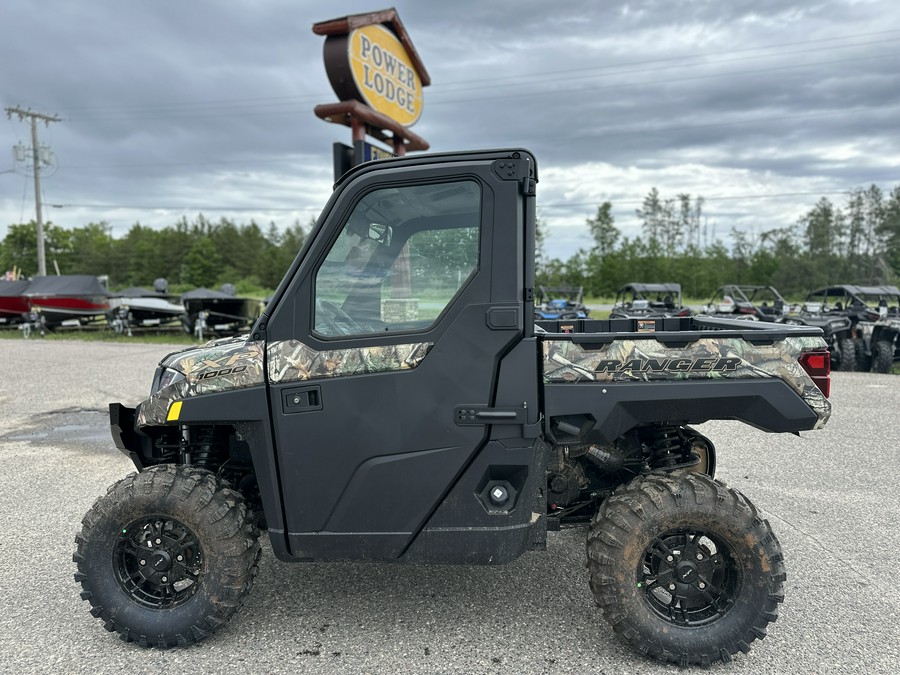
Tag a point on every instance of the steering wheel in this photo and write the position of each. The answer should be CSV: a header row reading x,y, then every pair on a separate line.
x,y
332,320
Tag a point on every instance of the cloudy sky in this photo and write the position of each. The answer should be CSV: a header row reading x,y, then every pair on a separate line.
x,y
170,109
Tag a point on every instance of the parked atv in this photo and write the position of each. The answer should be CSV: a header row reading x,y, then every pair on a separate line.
x,y
636,300
883,341
760,303
560,302
863,307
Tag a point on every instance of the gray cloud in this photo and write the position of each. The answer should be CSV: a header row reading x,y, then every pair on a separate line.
x,y
170,108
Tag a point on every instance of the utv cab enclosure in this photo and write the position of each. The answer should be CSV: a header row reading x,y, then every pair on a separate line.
x,y
397,402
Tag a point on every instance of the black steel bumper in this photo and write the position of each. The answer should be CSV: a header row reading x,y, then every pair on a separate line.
x,y
125,434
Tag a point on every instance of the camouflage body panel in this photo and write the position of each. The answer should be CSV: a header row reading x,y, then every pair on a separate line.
x,y
631,360
891,322
236,363
216,366
291,360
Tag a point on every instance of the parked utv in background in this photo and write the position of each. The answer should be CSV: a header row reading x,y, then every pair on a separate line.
x,y
836,332
648,300
883,342
863,307
761,303
561,302
395,401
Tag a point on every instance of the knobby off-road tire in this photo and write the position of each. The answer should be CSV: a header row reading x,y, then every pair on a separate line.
x,y
882,356
863,360
684,568
847,348
167,556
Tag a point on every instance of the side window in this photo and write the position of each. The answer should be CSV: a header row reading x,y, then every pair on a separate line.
x,y
401,257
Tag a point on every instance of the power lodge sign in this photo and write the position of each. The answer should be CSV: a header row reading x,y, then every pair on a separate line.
x,y
378,76
384,75
369,58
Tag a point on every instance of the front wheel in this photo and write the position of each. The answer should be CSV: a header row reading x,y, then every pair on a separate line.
x,y
167,556
847,348
684,568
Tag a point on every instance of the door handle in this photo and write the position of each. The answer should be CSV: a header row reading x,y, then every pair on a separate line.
x,y
301,399
473,415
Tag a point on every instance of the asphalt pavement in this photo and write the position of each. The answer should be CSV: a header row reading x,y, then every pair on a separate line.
x,y
832,497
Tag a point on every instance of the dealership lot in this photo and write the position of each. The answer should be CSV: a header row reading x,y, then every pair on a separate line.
x,y
831,496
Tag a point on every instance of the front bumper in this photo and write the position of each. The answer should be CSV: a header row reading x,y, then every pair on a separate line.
x,y
125,434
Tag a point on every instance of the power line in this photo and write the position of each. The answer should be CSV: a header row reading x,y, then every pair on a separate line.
x,y
183,207
256,104
850,113
160,207
666,64
594,88
669,60
749,197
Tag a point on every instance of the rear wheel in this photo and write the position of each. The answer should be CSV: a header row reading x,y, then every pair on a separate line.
x,y
847,348
684,568
167,556
882,356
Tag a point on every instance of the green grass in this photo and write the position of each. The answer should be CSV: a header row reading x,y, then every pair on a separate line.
x,y
104,335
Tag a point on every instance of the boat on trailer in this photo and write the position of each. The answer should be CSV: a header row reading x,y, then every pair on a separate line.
x,y
219,313
67,299
13,306
138,307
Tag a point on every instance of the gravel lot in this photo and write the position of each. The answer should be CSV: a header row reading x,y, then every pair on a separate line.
x,y
831,496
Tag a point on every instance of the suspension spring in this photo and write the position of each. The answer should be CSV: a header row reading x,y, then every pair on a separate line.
x,y
667,449
206,447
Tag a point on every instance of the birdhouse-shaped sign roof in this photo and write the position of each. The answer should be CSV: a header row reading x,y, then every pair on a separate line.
x,y
370,58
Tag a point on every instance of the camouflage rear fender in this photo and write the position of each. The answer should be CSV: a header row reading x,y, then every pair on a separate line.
x,y
630,360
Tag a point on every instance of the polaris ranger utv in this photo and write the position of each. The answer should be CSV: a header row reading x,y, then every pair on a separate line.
x,y
396,402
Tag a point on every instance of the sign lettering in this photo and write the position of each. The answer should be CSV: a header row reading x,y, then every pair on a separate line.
x,y
384,75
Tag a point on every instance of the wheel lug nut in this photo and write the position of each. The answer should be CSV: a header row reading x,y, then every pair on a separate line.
x,y
669,558
179,558
164,580
158,542
143,562
671,587
699,556
701,585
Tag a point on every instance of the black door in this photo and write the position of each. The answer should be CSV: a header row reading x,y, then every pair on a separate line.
x,y
405,301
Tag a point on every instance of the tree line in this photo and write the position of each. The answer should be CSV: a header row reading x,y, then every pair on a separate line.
x,y
854,243
187,254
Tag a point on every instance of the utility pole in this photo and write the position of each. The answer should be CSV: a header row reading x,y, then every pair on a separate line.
x,y
46,119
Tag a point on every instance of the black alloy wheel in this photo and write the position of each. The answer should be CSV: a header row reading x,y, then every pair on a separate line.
x,y
689,577
158,562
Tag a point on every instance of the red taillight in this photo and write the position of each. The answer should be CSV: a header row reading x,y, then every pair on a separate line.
x,y
818,366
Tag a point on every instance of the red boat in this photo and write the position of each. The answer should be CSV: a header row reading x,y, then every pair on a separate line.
x,y
13,306
77,298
